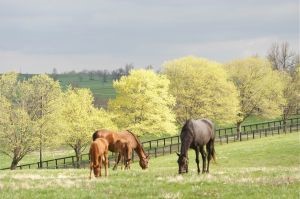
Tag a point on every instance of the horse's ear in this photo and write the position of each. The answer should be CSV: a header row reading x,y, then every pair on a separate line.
x,y
177,153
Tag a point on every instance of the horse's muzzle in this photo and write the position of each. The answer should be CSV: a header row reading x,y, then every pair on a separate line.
x,y
183,171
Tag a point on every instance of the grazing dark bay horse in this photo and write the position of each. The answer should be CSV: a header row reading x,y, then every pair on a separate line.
x,y
98,156
133,144
195,134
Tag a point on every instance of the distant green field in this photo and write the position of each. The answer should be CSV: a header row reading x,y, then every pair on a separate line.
x,y
100,89
261,168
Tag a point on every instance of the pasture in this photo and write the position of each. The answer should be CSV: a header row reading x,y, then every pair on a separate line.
x,y
100,89
260,168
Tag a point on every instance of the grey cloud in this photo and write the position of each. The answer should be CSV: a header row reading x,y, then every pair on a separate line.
x,y
140,30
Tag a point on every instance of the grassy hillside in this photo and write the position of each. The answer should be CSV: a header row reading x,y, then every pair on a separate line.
x,y
262,168
102,90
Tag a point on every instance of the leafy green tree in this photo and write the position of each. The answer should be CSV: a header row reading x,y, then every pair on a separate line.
x,y
17,130
81,119
43,100
260,88
143,103
202,90
291,92
8,83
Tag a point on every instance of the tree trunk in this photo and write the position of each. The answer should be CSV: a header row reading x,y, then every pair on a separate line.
x,y
14,164
16,158
78,156
41,154
239,130
285,116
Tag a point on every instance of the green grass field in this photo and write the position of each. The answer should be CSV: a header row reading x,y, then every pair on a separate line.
x,y
260,168
100,89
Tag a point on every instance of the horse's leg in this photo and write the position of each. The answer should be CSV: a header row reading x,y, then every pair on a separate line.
x,y
209,155
197,158
127,160
100,165
122,161
91,168
203,154
106,164
117,161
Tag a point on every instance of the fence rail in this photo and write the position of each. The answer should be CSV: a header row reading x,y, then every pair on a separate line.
x,y
171,144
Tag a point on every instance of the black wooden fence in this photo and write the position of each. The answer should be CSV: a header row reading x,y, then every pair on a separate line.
x,y
171,144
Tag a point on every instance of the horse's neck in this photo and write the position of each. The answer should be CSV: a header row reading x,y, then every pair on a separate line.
x,y
140,151
139,148
185,145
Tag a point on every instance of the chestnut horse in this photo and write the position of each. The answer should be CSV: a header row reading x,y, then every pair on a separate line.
x,y
98,154
195,134
133,141
122,148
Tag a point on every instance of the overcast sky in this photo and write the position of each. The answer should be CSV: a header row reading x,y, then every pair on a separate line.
x,y
39,35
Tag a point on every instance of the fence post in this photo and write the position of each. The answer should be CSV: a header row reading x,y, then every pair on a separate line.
x,y
73,163
266,133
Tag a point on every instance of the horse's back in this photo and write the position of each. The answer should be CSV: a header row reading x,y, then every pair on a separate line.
x,y
112,137
203,131
130,138
100,145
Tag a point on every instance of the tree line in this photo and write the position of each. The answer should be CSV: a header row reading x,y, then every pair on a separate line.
x,y
36,112
92,74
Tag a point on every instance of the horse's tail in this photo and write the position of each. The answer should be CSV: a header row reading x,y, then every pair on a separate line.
x,y
213,152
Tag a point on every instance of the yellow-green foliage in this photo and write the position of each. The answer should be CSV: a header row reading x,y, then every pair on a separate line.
x,y
17,130
8,82
143,103
292,88
202,90
260,87
44,100
81,119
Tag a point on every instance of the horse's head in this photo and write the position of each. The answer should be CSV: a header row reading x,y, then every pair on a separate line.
x,y
96,170
182,163
144,162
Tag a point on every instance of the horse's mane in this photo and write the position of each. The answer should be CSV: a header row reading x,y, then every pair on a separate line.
x,y
137,140
186,127
95,135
